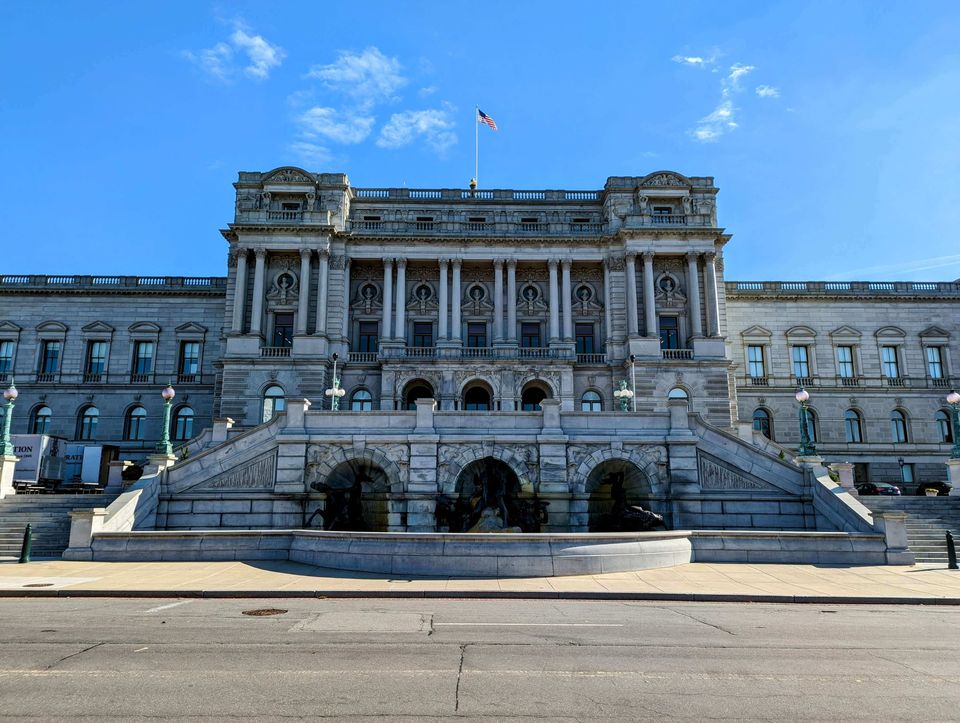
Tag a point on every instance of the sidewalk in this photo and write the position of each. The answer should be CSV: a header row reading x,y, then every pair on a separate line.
x,y
695,581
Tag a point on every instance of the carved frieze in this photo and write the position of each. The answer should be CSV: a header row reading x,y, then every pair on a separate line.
x,y
714,475
257,474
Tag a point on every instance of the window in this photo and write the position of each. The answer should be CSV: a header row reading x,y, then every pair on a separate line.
x,y
761,423
369,337
944,431
530,336
189,358
41,420
143,358
801,362
845,361
87,428
898,426
755,361
853,426
283,329
678,393
135,425
669,332
183,424
50,358
906,473
422,333
476,335
273,403
584,337
6,357
888,356
96,358
476,399
289,206
591,402
811,418
662,210
531,398
417,391
935,362
361,401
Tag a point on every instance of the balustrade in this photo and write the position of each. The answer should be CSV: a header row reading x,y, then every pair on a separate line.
x,y
274,351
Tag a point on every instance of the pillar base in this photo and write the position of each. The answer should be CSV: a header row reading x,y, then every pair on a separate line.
x,y
8,464
953,476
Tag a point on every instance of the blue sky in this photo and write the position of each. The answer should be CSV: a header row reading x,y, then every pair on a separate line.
x,y
831,127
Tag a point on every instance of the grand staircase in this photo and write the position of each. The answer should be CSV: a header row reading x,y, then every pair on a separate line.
x,y
928,519
49,517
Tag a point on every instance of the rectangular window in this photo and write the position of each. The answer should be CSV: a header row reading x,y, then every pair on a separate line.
x,y
906,474
755,361
669,332
662,210
6,357
143,358
283,330
369,338
50,360
530,336
584,335
934,362
423,334
801,363
845,361
96,357
190,357
476,335
888,354
289,206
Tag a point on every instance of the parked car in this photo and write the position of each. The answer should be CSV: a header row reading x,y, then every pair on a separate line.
x,y
877,488
942,488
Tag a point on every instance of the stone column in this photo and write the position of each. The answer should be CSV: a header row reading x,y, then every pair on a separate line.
x,y
345,329
304,297
456,300
554,302
511,334
387,300
256,316
567,296
713,301
607,310
442,322
693,295
632,316
239,291
322,292
400,330
649,303
497,300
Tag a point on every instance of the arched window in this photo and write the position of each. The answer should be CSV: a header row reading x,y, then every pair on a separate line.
x,y
943,426
183,424
361,401
761,422
40,424
811,424
135,425
898,426
273,402
476,399
591,402
416,390
853,426
87,424
678,393
531,397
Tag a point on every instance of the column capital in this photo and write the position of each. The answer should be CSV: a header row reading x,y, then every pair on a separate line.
x,y
401,262
498,263
387,261
456,262
692,257
260,252
710,257
648,256
553,262
305,253
443,261
630,257
511,263
323,253
567,262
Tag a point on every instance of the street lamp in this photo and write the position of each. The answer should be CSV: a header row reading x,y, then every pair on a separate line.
x,y
623,395
164,446
10,395
335,392
807,447
901,462
953,399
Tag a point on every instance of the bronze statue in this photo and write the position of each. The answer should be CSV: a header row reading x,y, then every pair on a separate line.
x,y
624,517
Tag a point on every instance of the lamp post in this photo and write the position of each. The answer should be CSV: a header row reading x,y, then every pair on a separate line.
x,y
164,446
807,447
10,395
623,395
335,392
633,381
900,461
953,399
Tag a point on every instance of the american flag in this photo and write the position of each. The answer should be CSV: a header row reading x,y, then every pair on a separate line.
x,y
485,119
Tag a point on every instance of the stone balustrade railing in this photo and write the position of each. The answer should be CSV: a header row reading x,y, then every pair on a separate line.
x,y
198,284
865,382
843,288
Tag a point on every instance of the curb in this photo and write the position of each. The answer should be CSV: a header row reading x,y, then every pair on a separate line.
x,y
482,595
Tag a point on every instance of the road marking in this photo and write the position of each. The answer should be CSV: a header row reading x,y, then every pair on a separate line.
x,y
534,625
167,607
140,650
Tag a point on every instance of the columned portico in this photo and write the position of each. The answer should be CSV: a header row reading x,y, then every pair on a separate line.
x,y
239,291
256,315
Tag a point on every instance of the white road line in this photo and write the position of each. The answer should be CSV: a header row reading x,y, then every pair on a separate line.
x,y
167,607
140,650
533,625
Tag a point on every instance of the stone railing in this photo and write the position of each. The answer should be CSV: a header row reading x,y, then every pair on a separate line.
x,y
842,288
859,382
197,284
469,228
457,194
118,378
676,353
271,216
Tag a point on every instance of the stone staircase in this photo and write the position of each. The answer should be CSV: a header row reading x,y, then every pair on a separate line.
x,y
49,517
928,519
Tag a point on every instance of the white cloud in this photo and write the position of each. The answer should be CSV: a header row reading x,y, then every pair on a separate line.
x,y
310,154
369,77
429,90
334,125
694,61
218,61
721,120
215,62
767,91
731,84
433,125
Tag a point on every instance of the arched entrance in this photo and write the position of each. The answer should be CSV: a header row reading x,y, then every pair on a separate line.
x,y
356,498
614,486
489,498
417,389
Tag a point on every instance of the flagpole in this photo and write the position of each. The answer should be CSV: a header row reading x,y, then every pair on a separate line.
x,y
476,144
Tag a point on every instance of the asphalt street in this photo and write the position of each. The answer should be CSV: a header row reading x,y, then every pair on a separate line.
x,y
475,659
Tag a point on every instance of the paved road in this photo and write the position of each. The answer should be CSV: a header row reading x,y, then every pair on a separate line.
x,y
503,660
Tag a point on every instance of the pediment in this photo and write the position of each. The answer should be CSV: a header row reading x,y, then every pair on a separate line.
x,y
8,326
800,332
191,327
755,331
144,327
97,327
289,174
845,331
935,331
890,332
53,326
666,178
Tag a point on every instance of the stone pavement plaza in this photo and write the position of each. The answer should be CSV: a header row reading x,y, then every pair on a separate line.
x,y
706,581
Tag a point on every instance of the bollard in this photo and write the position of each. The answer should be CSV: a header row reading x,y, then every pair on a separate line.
x,y
951,552
27,544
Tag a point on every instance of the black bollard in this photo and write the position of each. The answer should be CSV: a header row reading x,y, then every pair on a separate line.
x,y
951,552
27,544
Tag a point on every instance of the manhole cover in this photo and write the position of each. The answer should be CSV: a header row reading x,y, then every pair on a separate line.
x,y
264,612
39,584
